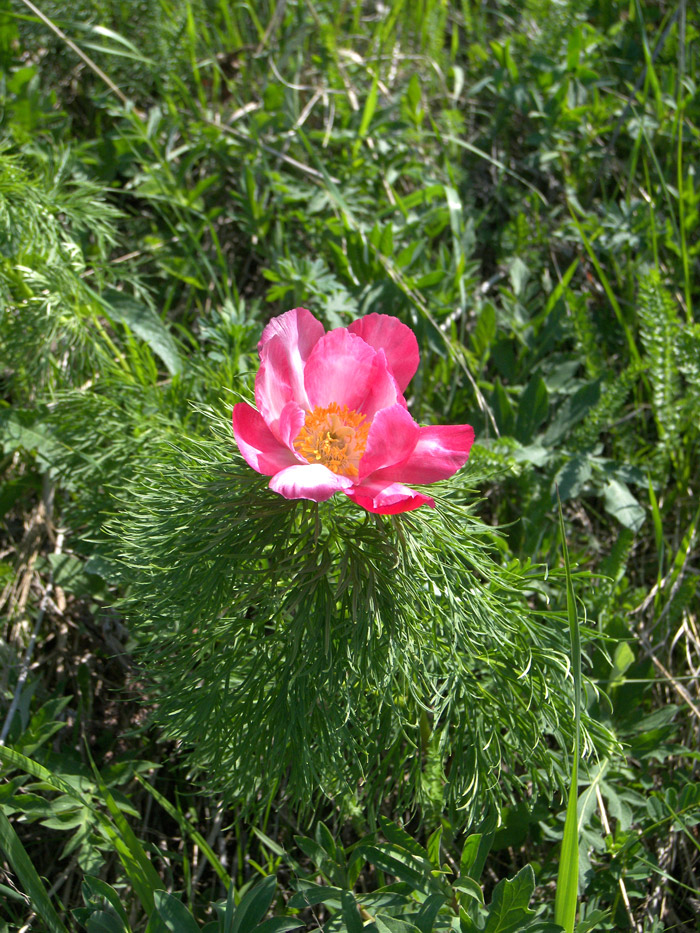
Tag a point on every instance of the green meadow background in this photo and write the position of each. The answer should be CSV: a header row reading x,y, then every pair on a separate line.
x,y
518,182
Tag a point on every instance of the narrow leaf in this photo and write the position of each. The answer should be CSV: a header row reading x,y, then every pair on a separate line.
x,y
22,866
351,915
566,899
186,827
254,905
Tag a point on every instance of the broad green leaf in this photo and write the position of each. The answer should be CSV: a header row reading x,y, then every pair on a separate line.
x,y
519,275
571,412
314,850
466,924
146,324
23,429
399,837
96,888
618,808
515,824
386,241
592,922
573,476
470,887
623,658
308,894
533,408
392,896
587,800
174,914
402,866
413,92
509,908
103,921
622,505
109,570
434,848
484,334
388,924
425,918
278,925
326,840
434,277
535,454
70,573
477,848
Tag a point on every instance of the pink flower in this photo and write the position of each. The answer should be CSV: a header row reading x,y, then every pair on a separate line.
x,y
331,415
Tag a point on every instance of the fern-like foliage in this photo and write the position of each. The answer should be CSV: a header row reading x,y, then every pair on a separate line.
x,y
614,393
327,651
615,562
659,330
682,600
688,355
587,340
56,232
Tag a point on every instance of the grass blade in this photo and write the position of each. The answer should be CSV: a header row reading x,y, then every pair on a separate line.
x,y
187,828
29,879
567,879
137,865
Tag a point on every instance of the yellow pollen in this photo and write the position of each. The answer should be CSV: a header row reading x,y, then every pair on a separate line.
x,y
335,436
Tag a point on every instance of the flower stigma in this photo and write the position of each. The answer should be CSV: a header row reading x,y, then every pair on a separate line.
x,y
334,436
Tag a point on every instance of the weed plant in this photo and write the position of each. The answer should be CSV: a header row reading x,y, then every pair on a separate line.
x,y
226,711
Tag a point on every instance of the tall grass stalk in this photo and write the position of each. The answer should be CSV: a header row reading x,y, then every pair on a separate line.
x,y
567,879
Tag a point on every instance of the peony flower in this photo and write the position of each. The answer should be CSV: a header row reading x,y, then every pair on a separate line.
x,y
331,416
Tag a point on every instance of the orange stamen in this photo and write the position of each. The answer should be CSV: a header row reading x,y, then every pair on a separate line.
x,y
334,436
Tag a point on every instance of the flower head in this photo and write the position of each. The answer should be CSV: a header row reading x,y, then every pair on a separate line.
x,y
331,416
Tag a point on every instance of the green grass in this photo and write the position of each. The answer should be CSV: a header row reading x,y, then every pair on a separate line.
x,y
514,181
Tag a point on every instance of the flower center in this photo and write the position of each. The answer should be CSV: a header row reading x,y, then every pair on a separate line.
x,y
334,436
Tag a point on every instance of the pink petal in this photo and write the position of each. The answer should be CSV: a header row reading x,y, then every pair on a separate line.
x,y
391,439
389,500
292,418
260,448
284,348
342,368
309,481
384,332
440,451
297,328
